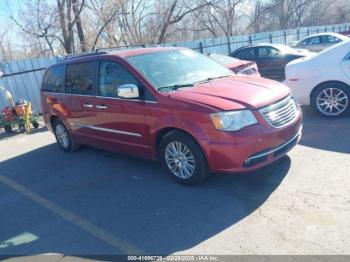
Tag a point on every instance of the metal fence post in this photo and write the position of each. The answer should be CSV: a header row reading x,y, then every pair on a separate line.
x,y
308,32
201,47
228,45
250,40
325,28
333,28
285,37
318,30
298,34
270,36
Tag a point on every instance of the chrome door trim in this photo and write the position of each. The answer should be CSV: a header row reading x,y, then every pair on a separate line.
x,y
125,99
67,94
106,97
115,131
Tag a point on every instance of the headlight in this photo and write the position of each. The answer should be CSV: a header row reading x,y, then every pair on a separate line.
x,y
233,120
248,71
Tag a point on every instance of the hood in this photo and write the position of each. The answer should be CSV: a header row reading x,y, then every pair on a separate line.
x,y
232,93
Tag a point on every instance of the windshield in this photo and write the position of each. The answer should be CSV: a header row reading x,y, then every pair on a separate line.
x,y
177,68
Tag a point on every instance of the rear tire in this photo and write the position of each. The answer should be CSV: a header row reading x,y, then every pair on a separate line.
x,y
63,137
183,158
331,99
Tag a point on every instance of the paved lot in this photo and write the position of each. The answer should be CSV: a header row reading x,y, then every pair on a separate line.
x,y
96,202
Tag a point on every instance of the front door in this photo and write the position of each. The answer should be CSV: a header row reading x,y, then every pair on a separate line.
x,y
120,122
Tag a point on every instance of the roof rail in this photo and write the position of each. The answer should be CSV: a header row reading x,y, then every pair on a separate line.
x,y
116,48
99,51
83,55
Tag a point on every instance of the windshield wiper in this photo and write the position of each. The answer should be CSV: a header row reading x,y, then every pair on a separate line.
x,y
174,87
210,79
177,86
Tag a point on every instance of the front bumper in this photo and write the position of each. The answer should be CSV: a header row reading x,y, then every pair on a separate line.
x,y
252,149
281,150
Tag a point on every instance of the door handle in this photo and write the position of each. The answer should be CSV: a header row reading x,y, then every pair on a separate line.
x,y
101,107
88,105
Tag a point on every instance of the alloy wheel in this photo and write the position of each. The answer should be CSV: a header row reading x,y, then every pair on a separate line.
x,y
62,136
180,160
332,101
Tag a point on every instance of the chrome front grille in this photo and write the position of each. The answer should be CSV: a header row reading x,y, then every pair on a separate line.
x,y
281,113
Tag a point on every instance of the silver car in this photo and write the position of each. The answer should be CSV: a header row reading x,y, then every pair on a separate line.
x,y
319,42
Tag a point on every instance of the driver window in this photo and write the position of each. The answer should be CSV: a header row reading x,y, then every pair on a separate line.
x,y
247,54
268,52
111,76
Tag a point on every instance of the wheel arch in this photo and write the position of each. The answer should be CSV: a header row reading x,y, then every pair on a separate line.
x,y
166,130
52,120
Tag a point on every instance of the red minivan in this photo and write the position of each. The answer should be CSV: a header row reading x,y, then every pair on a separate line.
x,y
173,105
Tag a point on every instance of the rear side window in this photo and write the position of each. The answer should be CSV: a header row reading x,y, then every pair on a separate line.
x,y
247,54
80,78
112,75
54,80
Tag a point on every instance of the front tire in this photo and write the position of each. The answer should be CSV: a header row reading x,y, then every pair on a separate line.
x,y
331,99
183,158
63,137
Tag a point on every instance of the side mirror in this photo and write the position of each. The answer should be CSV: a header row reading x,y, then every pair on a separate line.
x,y
128,91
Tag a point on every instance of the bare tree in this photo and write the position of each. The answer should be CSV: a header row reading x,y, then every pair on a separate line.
x,y
38,23
69,15
220,17
4,53
54,27
105,12
176,11
77,10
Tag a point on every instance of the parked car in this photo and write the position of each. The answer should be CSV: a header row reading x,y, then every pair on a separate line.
x,y
173,105
270,58
323,80
319,42
239,67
